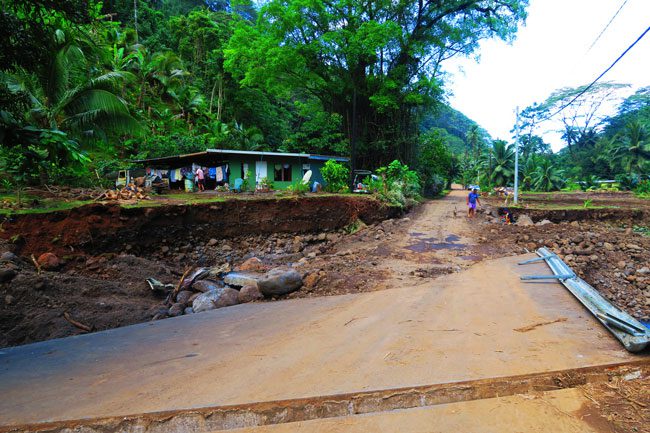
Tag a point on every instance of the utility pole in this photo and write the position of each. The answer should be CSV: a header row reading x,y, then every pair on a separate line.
x,y
353,139
517,157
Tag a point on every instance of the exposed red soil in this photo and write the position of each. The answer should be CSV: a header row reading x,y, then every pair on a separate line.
x,y
108,252
99,228
618,199
601,245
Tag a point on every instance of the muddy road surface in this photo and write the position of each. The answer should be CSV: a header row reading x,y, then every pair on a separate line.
x,y
101,284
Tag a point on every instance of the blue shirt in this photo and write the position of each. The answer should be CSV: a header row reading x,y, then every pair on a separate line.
x,y
472,197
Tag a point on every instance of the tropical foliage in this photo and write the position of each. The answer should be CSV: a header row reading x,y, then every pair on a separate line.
x,y
86,85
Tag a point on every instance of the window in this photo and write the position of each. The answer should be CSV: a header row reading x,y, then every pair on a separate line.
x,y
282,173
244,170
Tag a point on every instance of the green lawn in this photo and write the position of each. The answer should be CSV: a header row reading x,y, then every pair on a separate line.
x,y
33,204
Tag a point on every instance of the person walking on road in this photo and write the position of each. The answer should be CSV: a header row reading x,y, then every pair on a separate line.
x,y
472,200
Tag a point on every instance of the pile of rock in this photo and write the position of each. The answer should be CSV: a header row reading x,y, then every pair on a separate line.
x,y
613,260
204,289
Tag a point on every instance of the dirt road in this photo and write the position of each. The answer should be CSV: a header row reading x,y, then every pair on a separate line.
x,y
464,330
455,332
436,239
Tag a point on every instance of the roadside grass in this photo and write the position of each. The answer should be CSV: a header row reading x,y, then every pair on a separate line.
x,y
36,205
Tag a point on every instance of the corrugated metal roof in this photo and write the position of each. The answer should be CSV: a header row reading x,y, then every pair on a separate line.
x,y
328,157
177,158
255,152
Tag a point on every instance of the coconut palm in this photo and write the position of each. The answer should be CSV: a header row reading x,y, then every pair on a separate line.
x,y
247,138
633,149
528,169
547,177
503,161
64,96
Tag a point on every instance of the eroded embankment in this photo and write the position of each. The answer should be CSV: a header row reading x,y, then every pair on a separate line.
x,y
105,228
586,214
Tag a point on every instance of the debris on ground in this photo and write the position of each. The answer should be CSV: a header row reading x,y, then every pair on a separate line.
x,y
607,253
130,192
102,288
622,404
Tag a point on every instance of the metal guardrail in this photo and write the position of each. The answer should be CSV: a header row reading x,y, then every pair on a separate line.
x,y
629,331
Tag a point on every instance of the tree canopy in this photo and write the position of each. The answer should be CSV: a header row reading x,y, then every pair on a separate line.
x,y
376,64
113,80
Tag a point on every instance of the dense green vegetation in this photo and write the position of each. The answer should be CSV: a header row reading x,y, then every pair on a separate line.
x,y
85,85
597,147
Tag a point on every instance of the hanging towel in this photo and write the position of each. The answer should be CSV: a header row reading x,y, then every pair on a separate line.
x,y
212,172
219,174
172,175
178,175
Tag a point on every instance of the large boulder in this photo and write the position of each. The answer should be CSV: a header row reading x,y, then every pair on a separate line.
x,y
184,296
207,286
524,220
194,275
223,297
279,282
7,275
176,310
8,256
241,279
249,294
199,274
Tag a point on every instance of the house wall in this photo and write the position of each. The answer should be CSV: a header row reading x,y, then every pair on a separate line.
x,y
235,164
271,161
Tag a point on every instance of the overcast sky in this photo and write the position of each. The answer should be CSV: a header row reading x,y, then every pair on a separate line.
x,y
551,51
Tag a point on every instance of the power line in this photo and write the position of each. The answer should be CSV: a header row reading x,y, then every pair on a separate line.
x,y
607,26
583,91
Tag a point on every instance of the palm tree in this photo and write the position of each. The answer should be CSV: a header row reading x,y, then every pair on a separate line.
x,y
473,138
247,138
633,150
64,97
503,160
547,177
528,169
189,102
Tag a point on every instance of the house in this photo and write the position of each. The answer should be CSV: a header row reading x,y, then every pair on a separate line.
x,y
224,166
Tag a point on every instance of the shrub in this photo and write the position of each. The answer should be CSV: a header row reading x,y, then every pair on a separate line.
x,y
643,188
336,176
399,184
627,182
266,183
246,186
298,188
590,183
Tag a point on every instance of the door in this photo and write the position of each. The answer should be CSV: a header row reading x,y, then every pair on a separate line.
x,y
260,170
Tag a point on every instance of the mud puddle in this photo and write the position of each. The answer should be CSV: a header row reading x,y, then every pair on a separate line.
x,y
424,245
